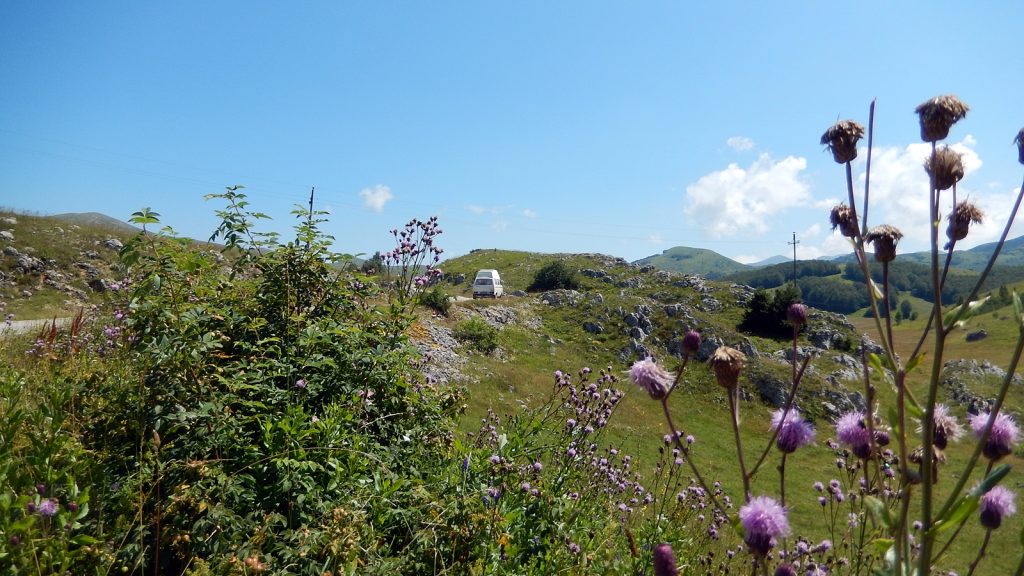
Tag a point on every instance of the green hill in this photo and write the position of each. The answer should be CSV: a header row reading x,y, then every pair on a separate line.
x,y
685,260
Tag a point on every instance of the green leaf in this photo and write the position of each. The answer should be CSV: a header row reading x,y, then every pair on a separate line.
x,y
1018,309
879,511
882,545
915,361
967,504
991,480
962,313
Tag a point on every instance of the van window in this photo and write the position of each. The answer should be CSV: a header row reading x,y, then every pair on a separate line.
x,y
483,282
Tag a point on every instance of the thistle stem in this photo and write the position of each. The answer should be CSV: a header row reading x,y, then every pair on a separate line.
x,y
981,552
686,452
782,480
928,421
734,407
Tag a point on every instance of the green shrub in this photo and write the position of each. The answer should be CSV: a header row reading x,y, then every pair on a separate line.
x,y
437,300
554,276
478,334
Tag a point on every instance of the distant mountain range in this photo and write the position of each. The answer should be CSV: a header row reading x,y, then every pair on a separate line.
x,y
97,219
711,264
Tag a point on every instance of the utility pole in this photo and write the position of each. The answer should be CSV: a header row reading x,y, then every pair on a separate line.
x,y
309,215
794,243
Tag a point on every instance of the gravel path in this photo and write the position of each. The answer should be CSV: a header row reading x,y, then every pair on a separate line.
x,y
23,326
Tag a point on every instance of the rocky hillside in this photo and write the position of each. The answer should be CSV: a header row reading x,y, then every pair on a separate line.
x,y
622,312
52,266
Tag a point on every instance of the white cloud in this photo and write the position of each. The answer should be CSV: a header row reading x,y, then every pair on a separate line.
x,y
499,226
529,213
655,239
747,258
740,143
741,201
376,197
811,231
475,209
899,190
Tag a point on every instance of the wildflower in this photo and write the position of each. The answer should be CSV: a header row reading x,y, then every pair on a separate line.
x,y
537,466
882,438
664,561
852,431
785,570
794,431
727,364
946,427
47,507
938,115
960,220
300,384
885,238
1001,440
690,439
819,486
653,378
574,548
41,488
938,457
1019,141
763,519
796,314
996,504
691,342
841,139
945,167
845,218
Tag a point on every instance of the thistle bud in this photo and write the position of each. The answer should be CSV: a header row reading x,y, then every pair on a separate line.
x,y
845,218
960,220
841,140
938,115
664,561
885,238
1019,141
727,363
796,314
691,342
946,168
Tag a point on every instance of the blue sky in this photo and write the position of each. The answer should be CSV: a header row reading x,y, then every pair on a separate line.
x,y
617,127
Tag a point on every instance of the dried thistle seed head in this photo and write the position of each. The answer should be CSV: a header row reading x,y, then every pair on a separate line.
x,y
960,220
946,167
727,363
938,114
885,238
1019,141
841,139
845,218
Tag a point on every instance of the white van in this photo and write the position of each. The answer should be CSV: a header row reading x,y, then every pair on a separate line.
x,y
487,284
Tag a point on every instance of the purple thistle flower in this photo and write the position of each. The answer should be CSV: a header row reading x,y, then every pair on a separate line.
x,y
653,378
300,384
691,342
946,429
664,561
995,505
796,314
1001,440
574,548
794,431
852,431
785,570
763,519
47,508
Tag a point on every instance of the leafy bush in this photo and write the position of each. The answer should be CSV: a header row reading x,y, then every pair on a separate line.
x,y
480,335
437,300
766,311
554,276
